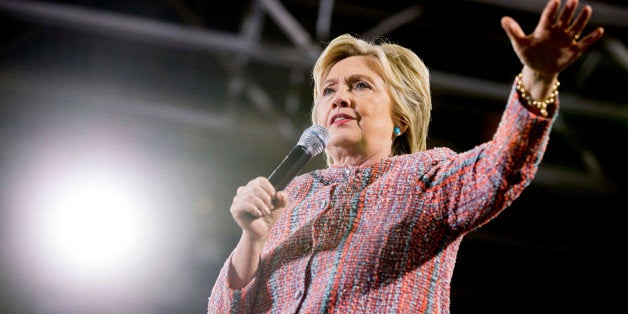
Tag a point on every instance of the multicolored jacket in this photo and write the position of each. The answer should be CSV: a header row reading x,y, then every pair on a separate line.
x,y
384,238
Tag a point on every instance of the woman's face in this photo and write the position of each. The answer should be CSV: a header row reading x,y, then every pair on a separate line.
x,y
356,110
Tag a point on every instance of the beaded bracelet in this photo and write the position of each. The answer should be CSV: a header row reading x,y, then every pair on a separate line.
x,y
542,104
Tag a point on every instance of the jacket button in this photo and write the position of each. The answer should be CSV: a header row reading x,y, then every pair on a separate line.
x,y
298,294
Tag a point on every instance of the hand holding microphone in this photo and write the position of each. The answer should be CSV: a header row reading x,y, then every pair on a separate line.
x,y
260,202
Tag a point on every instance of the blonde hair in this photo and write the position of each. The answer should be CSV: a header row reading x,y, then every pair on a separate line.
x,y
408,83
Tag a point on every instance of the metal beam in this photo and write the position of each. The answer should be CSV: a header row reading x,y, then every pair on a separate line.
x,y
570,103
323,19
148,30
394,21
290,25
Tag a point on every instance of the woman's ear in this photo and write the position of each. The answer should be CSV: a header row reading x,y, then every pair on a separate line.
x,y
401,126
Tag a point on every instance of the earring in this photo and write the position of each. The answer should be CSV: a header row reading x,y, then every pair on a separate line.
x,y
397,131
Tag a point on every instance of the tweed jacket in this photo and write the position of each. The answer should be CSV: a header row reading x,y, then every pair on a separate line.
x,y
384,238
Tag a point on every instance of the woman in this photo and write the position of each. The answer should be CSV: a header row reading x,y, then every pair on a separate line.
x,y
379,229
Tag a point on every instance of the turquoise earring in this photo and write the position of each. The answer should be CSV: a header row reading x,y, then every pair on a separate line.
x,y
397,131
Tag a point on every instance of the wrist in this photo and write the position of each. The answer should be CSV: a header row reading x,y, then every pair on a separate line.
x,y
532,76
539,93
252,241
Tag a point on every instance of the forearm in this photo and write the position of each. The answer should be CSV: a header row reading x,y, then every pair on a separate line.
x,y
244,262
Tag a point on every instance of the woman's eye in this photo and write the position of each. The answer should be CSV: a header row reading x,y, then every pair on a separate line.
x,y
361,85
327,91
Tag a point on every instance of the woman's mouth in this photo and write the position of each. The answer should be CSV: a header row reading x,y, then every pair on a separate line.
x,y
340,119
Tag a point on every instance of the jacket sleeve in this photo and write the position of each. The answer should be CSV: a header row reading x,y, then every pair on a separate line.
x,y
478,184
223,299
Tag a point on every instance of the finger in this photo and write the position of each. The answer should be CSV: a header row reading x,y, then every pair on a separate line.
x,y
261,206
249,192
251,199
255,208
590,38
261,188
512,29
565,16
549,13
265,186
261,198
244,209
581,22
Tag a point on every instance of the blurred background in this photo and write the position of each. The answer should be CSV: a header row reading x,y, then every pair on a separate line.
x,y
126,127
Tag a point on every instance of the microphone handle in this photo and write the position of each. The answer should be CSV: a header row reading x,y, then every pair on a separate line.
x,y
289,167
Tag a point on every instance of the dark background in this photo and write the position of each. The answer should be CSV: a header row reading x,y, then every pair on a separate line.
x,y
195,98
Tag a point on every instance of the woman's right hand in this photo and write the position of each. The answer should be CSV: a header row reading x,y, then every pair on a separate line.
x,y
256,207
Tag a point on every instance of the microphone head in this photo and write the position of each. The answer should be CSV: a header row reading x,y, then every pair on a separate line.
x,y
314,139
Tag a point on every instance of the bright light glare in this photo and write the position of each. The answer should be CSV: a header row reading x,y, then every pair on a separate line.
x,y
93,223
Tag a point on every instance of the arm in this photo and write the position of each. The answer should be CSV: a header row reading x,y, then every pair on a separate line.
x,y
477,185
256,207
554,45
489,177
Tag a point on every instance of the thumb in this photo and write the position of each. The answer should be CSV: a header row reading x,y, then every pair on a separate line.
x,y
279,206
281,200
512,29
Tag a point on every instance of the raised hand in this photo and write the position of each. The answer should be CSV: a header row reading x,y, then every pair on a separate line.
x,y
557,40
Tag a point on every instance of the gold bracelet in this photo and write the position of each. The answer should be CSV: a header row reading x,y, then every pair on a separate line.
x,y
540,104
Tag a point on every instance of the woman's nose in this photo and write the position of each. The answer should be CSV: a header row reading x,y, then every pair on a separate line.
x,y
341,99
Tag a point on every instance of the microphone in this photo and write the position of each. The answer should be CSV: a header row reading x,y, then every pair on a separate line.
x,y
312,142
